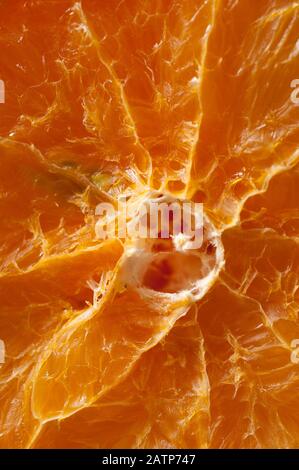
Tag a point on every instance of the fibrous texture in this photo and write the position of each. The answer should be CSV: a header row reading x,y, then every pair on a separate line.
x,y
120,342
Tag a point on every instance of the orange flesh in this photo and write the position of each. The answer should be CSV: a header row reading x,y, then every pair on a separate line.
x,y
190,98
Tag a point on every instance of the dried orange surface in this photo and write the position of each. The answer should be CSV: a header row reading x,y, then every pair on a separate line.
x,y
109,343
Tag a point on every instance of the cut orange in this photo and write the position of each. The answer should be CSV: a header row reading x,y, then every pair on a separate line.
x,y
143,343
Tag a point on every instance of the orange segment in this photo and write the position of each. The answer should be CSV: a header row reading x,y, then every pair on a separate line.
x,y
165,399
252,378
156,51
249,128
48,296
98,348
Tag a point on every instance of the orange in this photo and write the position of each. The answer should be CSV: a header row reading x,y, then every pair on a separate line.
x,y
143,343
